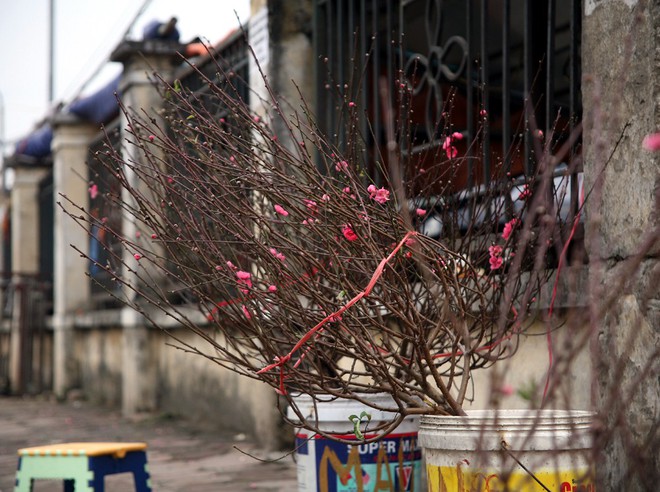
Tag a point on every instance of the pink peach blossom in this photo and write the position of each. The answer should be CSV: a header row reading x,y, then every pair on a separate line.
x,y
380,195
506,390
449,149
509,227
93,191
349,233
341,166
495,250
420,212
244,281
652,142
525,193
495,259
280,210
495,262
277,254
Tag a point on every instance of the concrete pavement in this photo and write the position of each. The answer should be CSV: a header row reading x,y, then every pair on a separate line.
x,y
181,458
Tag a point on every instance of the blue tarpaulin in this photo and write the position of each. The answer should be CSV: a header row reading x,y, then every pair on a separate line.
x,y
161,30
37,143
100,107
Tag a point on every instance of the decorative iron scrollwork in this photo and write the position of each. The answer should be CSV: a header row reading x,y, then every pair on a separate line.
x,y
425,73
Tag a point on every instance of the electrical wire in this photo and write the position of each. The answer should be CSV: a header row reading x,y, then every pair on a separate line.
x,y
106,58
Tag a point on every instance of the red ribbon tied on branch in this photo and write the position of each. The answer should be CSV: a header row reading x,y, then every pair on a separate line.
x,y
281,361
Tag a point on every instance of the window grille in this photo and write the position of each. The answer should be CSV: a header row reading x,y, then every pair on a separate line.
x,y
105,249
503,73
228,70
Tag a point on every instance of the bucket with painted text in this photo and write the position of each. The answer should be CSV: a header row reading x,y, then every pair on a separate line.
x,y
393,463
521,450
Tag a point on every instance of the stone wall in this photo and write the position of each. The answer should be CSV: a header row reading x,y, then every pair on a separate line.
x,y
185,384
194,386
525,373
98,356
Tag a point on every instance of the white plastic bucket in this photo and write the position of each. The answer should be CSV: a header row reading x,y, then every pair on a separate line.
x,y
391,464
517,450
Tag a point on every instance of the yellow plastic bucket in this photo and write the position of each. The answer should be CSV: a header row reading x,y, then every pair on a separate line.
x,y
508,450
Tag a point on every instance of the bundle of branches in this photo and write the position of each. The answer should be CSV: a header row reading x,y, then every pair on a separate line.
x,y
309,275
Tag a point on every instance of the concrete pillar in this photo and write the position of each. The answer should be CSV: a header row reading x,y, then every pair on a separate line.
x,y
621,92
289,59
140,96
25,262
279,36
71,287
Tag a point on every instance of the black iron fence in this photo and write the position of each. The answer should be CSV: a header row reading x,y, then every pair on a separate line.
x,y
227,68
504,74
25,341
46,225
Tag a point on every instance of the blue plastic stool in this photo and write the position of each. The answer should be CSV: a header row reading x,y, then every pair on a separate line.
x,y
82,465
